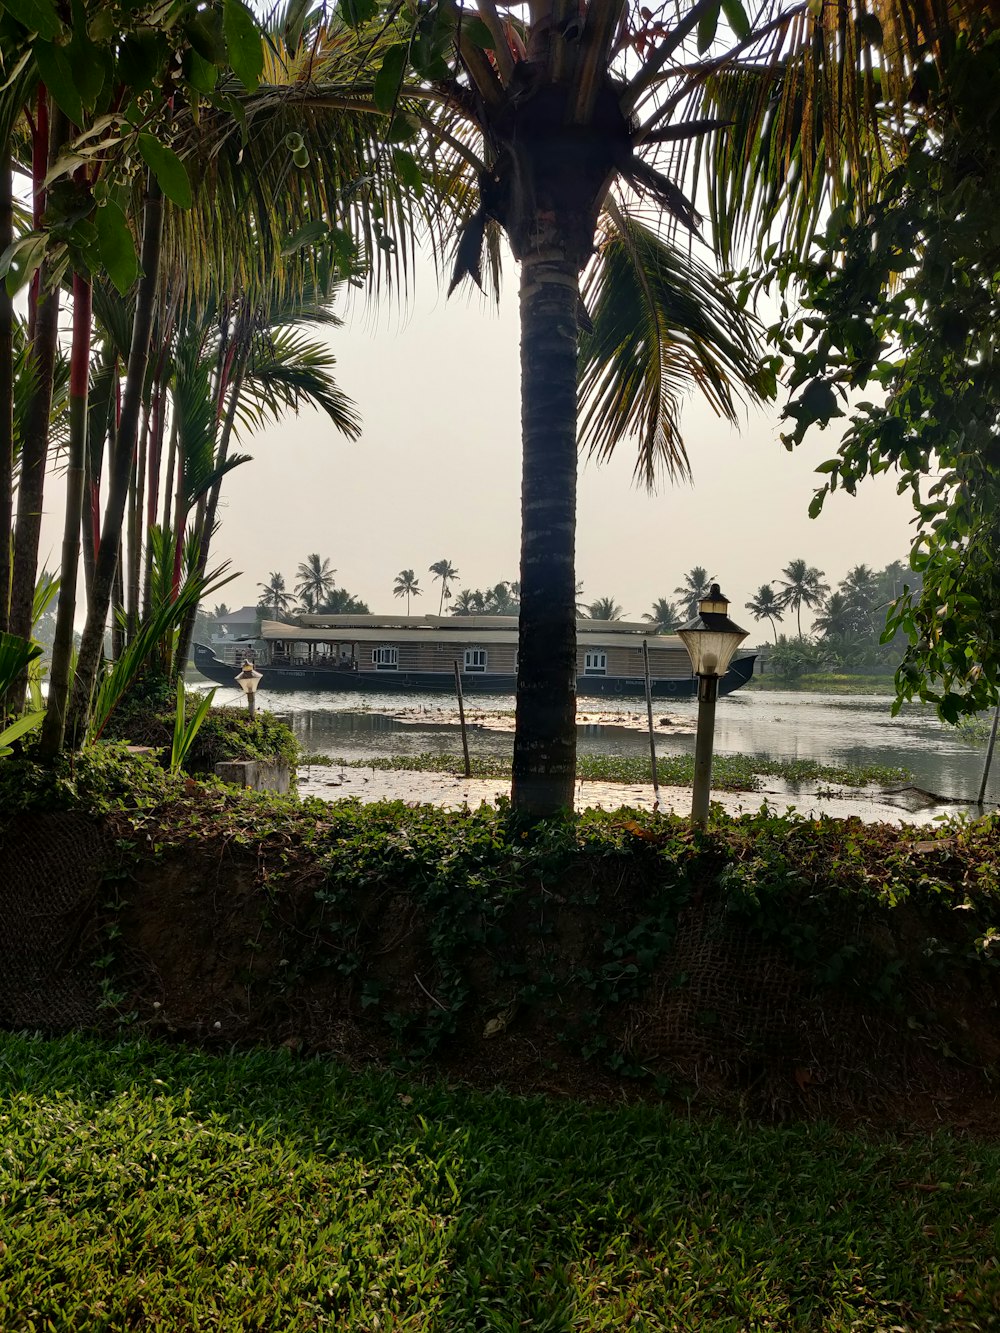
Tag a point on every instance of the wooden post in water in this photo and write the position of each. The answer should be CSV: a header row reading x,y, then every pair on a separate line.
x,y
461,718
989,754
649,720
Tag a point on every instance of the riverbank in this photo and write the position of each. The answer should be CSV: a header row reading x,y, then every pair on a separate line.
x,y
825,682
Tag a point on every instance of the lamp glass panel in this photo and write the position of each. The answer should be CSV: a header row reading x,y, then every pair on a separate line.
x,y
710,651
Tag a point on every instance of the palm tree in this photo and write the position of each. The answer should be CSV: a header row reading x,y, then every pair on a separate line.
x,y
664,616
274,596
316,581
802,586
837,618
860,590
448,574
407,586
693,590
605,608
469,602
500,600
766,604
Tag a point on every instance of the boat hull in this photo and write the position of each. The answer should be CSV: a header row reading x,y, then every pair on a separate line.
x,y
319,680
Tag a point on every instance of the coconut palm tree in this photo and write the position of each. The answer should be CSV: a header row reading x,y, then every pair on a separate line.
x,y
693,590
407,585
664,616
315,581
766,604
605,608
860,590
448,574
469,602
802,586
274,596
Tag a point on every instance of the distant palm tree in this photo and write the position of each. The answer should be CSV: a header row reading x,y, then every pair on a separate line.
x,y
315,581
765,603
448,574
407,585
802,586
500,601
664,615
837,619
860,590
469,602
693,590
341,603
274,596
605,608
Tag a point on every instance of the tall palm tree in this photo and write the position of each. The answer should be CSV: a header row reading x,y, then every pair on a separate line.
x,y
605,608
802,586
274,596
407,585
315,581
766,604
860,590
664,615
693,590
448,574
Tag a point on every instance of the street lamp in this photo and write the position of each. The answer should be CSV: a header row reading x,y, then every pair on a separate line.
x,y
248,680
710,638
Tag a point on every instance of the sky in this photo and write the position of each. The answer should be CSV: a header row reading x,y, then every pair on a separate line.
x,y
436,474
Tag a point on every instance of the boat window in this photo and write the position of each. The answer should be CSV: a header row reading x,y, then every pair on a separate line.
x,y
475,659
595,663
385,658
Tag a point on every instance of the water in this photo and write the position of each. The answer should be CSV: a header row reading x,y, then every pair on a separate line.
x,y
832,729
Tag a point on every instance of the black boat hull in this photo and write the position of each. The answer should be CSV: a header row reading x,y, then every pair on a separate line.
x,y
319,679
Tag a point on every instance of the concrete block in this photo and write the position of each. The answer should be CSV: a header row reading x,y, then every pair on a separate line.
x,y
257,774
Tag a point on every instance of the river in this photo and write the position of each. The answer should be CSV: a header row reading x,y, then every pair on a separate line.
x,y
833,729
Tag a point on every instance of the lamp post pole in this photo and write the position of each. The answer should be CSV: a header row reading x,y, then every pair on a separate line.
x,y
708,692
711,639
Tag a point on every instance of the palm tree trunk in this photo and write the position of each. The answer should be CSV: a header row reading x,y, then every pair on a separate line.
x,y
153,492
35,447
54,725
136,497
6,391
107,557
186,635
544,767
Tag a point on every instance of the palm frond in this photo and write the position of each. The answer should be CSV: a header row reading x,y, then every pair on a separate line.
x,y
662,323
288,371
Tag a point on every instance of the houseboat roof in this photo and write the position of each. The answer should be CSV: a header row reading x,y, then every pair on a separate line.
x,y
434,629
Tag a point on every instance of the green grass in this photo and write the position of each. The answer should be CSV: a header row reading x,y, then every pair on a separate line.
x,y
729,772
147,1188
827,682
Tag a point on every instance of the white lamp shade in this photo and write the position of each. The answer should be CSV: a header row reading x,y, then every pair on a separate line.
x,y
711,638
249,679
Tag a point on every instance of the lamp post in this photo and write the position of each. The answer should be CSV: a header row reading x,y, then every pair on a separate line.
x,y
248,680
711,639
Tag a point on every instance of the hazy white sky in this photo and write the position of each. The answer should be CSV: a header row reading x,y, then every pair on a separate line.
x,y
436,475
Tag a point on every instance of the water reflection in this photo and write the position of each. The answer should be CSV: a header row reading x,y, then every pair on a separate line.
x,y
781,725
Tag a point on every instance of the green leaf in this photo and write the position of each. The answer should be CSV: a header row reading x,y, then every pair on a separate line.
x,y
38,16
736,17
116,246
707,26
478,33
389,78
201,74
56,71
356,12
309,234
246,47
20,260
408,170
168,169
17,729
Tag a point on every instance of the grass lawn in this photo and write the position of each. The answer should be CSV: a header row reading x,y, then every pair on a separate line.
x,y
145,1187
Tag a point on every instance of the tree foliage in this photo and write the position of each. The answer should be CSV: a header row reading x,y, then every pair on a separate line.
x,y
903,296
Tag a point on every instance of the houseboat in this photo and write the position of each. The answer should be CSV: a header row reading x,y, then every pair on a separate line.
x,y
418,654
